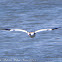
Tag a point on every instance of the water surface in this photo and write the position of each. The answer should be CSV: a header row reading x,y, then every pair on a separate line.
x,y
31,15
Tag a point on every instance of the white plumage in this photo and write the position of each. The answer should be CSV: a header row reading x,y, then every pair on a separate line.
x,y
42,30
31,34
18,30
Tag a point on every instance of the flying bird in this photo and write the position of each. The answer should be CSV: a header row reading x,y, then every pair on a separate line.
x,y
31,34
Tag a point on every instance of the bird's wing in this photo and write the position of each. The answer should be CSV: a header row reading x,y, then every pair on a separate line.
x,y
45,30
15,30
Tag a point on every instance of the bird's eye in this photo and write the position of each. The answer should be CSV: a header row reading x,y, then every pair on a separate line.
x,y
29,34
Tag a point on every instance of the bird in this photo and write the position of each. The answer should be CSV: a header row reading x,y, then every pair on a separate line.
x,y
30,34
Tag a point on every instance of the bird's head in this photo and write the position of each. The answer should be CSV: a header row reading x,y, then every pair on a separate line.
x,y
31,34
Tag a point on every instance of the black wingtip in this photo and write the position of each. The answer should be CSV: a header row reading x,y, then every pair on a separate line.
x,y
56,28
6,29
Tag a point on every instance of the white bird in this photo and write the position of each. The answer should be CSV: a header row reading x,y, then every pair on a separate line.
x,y
31,34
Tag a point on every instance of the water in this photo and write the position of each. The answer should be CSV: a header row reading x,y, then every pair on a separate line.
x,y
31,15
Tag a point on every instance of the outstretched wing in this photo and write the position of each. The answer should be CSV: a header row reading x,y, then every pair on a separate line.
x,y
45,30
15,30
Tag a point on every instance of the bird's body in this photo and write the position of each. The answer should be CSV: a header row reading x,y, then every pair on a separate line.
x,y
31,34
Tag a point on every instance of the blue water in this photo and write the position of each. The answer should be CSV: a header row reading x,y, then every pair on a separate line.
x,y
31,15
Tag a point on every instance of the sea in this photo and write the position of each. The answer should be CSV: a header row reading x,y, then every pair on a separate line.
x,y
30,15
